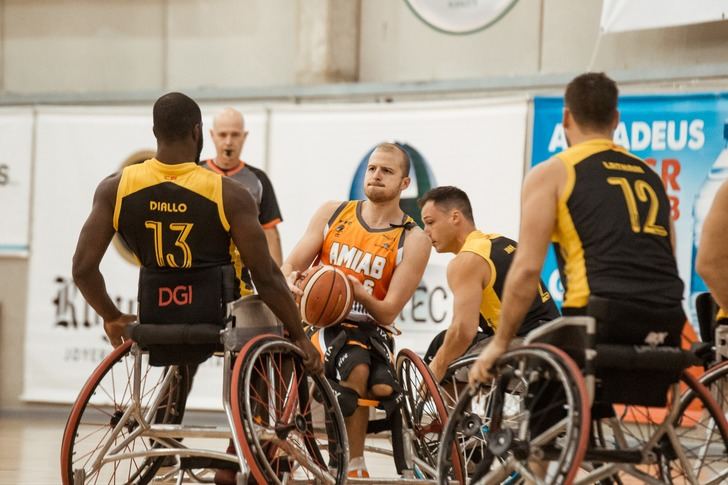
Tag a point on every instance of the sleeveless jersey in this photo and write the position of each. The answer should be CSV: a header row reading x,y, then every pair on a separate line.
x,y
370,255
172,216
612,236
498,252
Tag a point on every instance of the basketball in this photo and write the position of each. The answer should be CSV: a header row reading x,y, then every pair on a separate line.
x,y
327,296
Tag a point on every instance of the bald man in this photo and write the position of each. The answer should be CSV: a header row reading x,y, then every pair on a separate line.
x,y
229,135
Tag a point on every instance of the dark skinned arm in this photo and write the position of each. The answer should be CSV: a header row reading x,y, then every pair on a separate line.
x,y
249,238
92,243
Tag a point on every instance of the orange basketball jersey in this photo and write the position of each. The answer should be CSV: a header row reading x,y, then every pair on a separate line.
x,y
370,255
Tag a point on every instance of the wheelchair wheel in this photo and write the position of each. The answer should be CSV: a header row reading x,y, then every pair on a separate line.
x,y
288,422
93,434
530,423
455,382
424,413
697,454
702,431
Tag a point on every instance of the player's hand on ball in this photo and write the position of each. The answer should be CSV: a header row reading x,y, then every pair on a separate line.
x,y
359,291
293,278
481,371
311,357
116,329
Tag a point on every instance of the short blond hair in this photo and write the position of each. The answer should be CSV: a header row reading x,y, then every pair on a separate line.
x,y
389,147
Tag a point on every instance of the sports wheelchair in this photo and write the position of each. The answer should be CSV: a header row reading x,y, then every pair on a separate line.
x,y
285,425
126,424
584,400
413,425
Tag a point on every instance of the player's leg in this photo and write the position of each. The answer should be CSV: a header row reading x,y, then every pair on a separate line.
x,y
356,424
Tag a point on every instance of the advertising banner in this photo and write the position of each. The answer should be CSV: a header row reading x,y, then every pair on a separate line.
x,y
16,144
683,138
626,15
75,149
319,153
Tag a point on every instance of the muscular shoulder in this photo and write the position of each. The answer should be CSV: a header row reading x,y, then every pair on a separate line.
x,y
721,197
548,176
327,210
106,190
467,265
417,241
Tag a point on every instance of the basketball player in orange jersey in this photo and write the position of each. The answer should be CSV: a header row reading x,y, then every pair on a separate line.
x,y
384,254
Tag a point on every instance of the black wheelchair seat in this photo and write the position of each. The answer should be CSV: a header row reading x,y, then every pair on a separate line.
x,y
636,350
182,311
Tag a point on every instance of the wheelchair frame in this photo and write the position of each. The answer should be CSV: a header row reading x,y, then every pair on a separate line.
x,y
138,419
625,458
141,423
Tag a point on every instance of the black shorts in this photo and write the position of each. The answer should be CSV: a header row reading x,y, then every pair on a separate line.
x,y
479,341
346,345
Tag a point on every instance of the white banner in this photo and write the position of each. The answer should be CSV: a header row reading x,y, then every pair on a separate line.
x,y
16,142
75,149
477,146
626,15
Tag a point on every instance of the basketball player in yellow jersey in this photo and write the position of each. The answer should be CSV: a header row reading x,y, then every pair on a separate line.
x,y
475,276
712,262
197,214
609,217
384,254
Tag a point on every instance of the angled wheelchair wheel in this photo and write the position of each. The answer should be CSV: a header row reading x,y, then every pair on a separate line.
x,y
101,441
693,448
425,415
288,422
702,431
529,424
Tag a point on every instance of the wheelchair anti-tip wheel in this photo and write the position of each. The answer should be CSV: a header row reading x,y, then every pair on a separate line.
x,y
425,415
100,441
530,423
288,422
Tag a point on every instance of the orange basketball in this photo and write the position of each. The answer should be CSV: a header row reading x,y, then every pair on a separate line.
x,y
327,296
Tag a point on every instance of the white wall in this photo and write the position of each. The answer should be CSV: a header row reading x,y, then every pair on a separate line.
x,y
82,45
148,46
571,30
397,46
231,43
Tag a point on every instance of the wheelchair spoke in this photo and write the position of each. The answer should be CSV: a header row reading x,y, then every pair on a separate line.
x,y
104,406
534,410
280,415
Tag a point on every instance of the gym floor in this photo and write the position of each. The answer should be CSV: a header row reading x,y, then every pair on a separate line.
x,y
30,442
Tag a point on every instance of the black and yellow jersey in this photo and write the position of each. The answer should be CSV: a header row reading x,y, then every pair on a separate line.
x,y
172,216
498,252
612,236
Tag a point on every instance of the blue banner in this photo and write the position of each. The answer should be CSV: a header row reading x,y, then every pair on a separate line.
x,y
683,138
